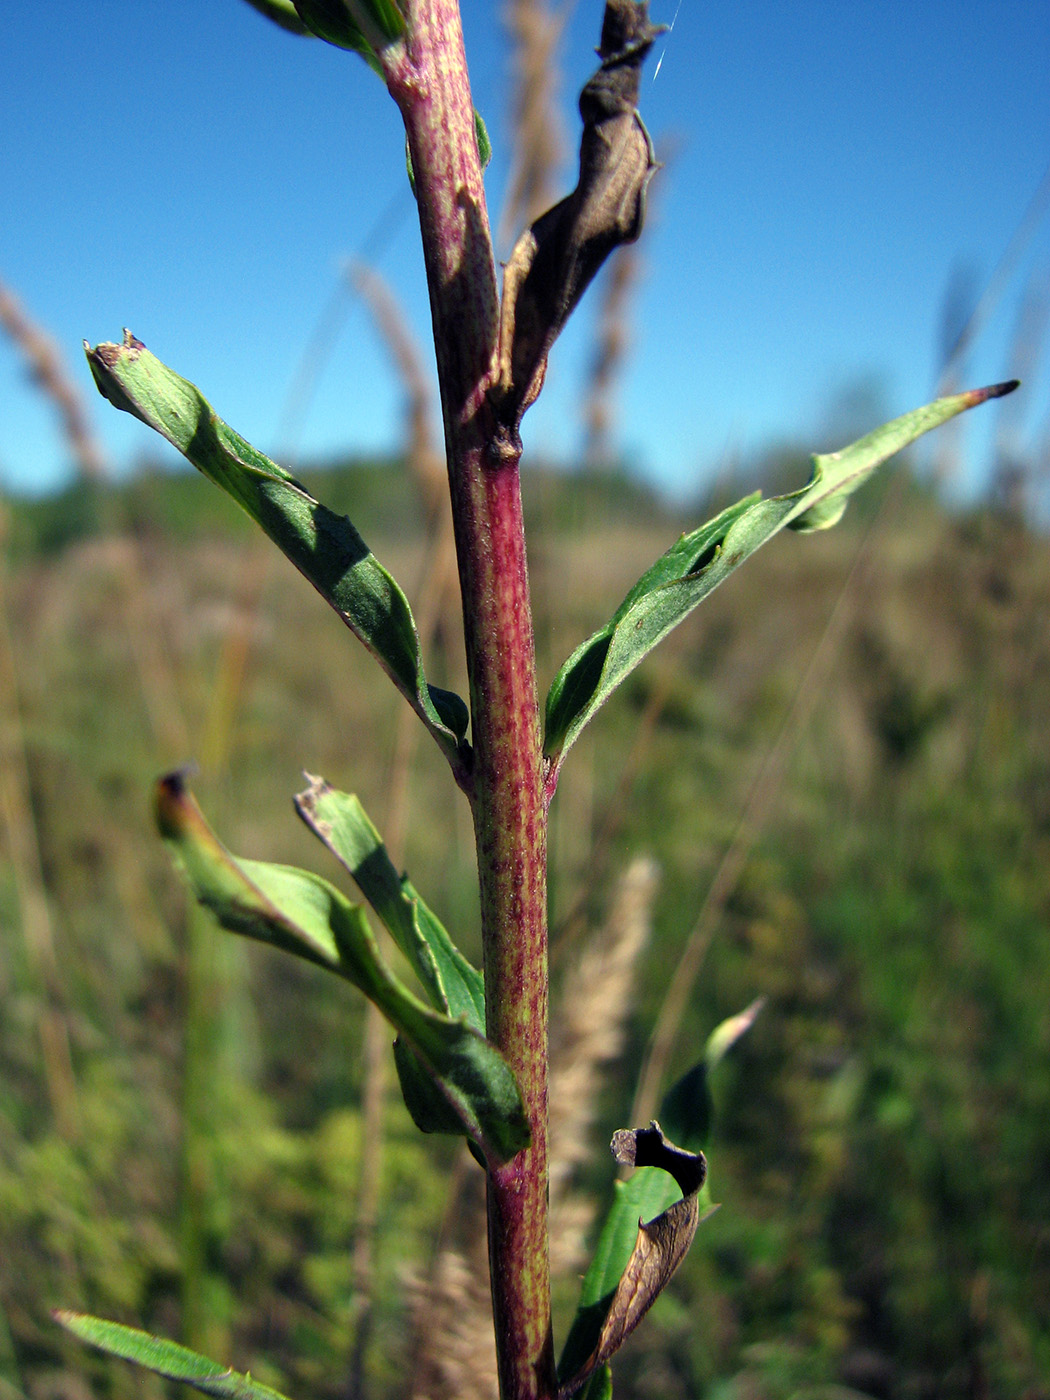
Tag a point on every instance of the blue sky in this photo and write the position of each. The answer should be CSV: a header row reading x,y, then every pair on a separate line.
x,y
183,168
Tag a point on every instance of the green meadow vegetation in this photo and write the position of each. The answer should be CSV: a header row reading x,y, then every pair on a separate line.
x,y
181,1114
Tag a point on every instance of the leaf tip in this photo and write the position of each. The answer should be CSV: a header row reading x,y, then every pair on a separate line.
x,y
105,361
649,1147
993,391
172,800
76,1322
174,786
108,354
315,787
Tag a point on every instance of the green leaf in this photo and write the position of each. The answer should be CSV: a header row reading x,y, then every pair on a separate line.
x,y
363,26
303,914
385,18
686,1115
687,1110
452,983
694,566
600,1386
481,136
428,1109
283,13
323,546
165,1358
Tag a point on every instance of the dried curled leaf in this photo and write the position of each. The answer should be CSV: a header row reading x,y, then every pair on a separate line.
x,y
554,261
661,1245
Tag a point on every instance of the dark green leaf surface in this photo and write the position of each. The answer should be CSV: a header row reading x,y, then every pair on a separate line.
x,y
452,983
323,546
362,26
428,1108
303,914
166,1358
694,566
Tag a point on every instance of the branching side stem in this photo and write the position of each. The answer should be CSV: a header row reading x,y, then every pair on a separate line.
x,y
428,78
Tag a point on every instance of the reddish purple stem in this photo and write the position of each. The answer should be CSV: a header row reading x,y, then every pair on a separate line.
x,y
429,82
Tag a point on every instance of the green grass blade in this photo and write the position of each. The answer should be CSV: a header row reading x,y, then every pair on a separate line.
x,y
694,566
323,546
166,1358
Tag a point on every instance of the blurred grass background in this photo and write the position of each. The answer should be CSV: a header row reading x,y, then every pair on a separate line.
x,y
883,1148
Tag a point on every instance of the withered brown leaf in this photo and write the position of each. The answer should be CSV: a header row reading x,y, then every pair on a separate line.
x,y
557,257
661,1245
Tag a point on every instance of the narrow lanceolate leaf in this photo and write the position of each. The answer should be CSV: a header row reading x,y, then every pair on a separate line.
x,y
323,546
694,566
687,1110
303,914
165,1358
647,1195
453,984
660,1246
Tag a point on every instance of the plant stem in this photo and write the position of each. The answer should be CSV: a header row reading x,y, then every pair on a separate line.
x,y
428,80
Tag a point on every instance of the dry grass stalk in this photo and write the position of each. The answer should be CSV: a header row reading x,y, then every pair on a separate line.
x,y
369,1192
595,1003
424,460
47,369
452,1320
34,903
436,590
613,340
1013,482
946,449
539,143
